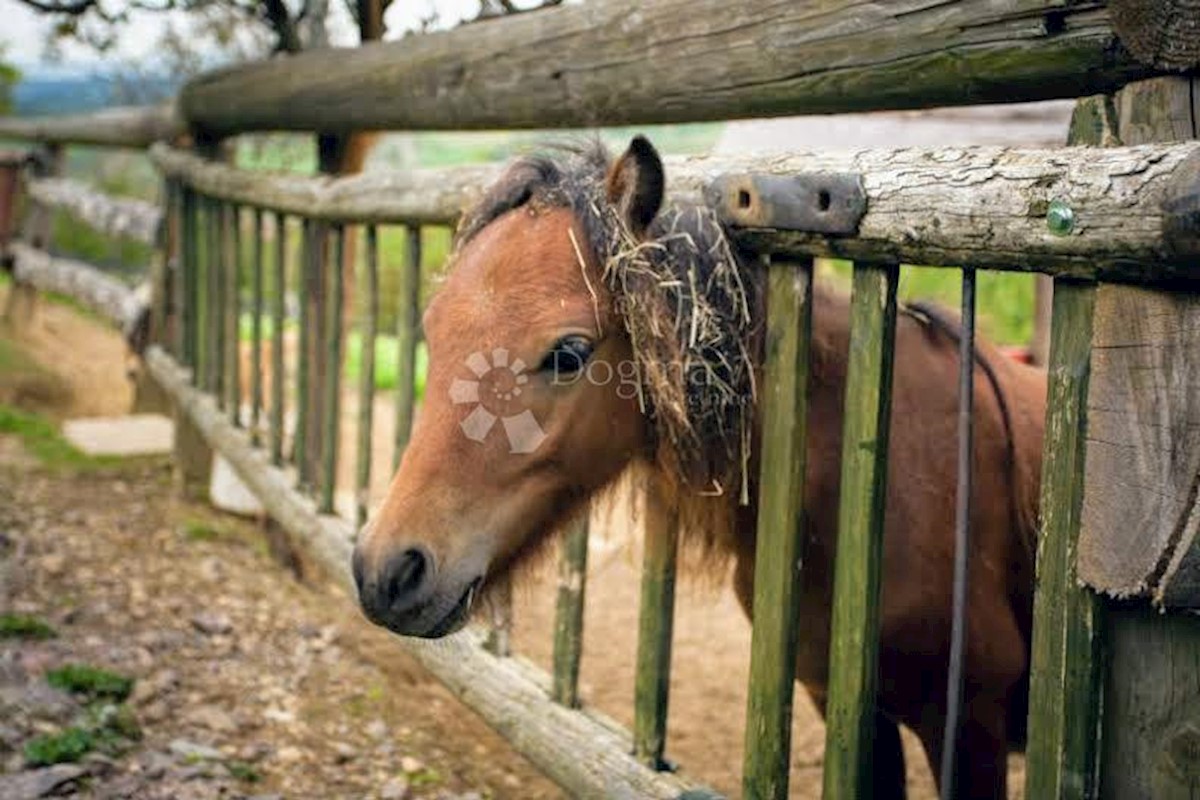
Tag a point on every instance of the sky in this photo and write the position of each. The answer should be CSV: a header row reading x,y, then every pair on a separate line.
x,y
23,31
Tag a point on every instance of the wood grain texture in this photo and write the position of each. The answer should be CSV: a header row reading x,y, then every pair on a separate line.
x,y
622,62
974,206
584,751
858,566
656,631
779,545
1141,514
568,612
1161,33
113,216
1066,663
134,127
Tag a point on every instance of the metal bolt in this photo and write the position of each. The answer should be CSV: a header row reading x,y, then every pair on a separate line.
x,y
1060,218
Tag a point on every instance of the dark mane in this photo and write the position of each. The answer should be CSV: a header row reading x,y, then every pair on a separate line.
x,y
689,307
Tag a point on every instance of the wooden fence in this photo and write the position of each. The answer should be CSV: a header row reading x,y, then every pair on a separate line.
x,y
1091,218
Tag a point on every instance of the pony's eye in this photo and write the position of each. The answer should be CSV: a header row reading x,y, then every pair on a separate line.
x,y
567,356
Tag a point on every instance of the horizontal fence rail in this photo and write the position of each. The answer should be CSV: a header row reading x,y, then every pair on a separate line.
x,y
586,64
113,216
135,127
1065,212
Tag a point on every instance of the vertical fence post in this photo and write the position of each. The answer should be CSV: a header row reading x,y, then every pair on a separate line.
x,y
1066,673
331,403
232,312
256,315
568,612
779,548
656,617
187,284
366,386
38,232
278,318
499,637
407,324
854,630
304,331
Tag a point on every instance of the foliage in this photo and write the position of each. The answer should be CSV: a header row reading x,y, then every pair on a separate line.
x,y
42,440
91,682
9,77
106,727
23,626
68,745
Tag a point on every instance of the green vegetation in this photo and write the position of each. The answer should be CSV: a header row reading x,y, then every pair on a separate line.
x,y
23,626
240,770
90,682
71,744
41,439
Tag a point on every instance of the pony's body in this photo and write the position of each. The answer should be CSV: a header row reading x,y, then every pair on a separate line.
x,y
544,268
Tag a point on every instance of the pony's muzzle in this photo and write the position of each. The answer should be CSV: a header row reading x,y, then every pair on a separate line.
x,y
397,592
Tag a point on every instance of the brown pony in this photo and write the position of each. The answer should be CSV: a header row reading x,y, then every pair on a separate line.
x,y
581,332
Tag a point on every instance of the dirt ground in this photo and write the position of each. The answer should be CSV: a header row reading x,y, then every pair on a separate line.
x,y
299,686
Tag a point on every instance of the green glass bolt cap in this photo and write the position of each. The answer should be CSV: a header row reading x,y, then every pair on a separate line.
x,y
1060,218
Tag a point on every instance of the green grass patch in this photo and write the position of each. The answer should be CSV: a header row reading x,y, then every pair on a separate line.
x,y
240,770
90,682
198,530
41,439
65,746
23,626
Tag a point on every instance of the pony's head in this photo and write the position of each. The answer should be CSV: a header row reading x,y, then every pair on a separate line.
x,y
537,393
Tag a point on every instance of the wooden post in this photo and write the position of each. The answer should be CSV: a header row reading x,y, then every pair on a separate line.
x,y
779,546
568,613
854,637
1064,687
278,318
21,307
366,387
331,402
256,315
408,321
231,312
303,430
656,620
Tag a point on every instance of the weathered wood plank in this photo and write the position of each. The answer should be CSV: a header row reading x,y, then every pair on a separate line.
x,y
132,126
408,321
83,282
278,315
331,406
854,625
568,613
366,386
1163,33
1141,521
976,206
256,330
114,216
779,546
582,750
656,626
1065,682
587,64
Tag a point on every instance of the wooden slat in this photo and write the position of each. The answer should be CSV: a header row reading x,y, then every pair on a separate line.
x,y
780,538
256,318
131,126
278,317
232,312
218,254
499,618
302,433
366,386
188,287
407,326
854,637
331,405
568,612
656,622
1066,678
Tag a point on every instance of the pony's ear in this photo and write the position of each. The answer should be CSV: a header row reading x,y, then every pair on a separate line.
x,y
635,185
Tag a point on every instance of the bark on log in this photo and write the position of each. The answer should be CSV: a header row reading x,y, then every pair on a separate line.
x,y
626,62
585,752
134,127
1162,33
982,206
114,216
83,282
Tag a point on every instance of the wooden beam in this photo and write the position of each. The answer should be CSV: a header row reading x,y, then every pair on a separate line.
x,y
133,126
623,62
114,216
978,206
1163,33
583,751
78,280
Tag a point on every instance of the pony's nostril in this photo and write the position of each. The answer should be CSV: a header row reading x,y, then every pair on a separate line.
x,y
407,575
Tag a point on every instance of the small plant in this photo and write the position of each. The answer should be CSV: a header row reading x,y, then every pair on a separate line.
x,y
197,530
68,745
92,683
242,771
23,626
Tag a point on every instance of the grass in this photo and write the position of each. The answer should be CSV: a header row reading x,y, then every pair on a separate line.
x,y
41,439
240,770
106,727
90,682
67,745
23,626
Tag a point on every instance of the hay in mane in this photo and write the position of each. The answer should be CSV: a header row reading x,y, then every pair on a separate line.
x,y
688,308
